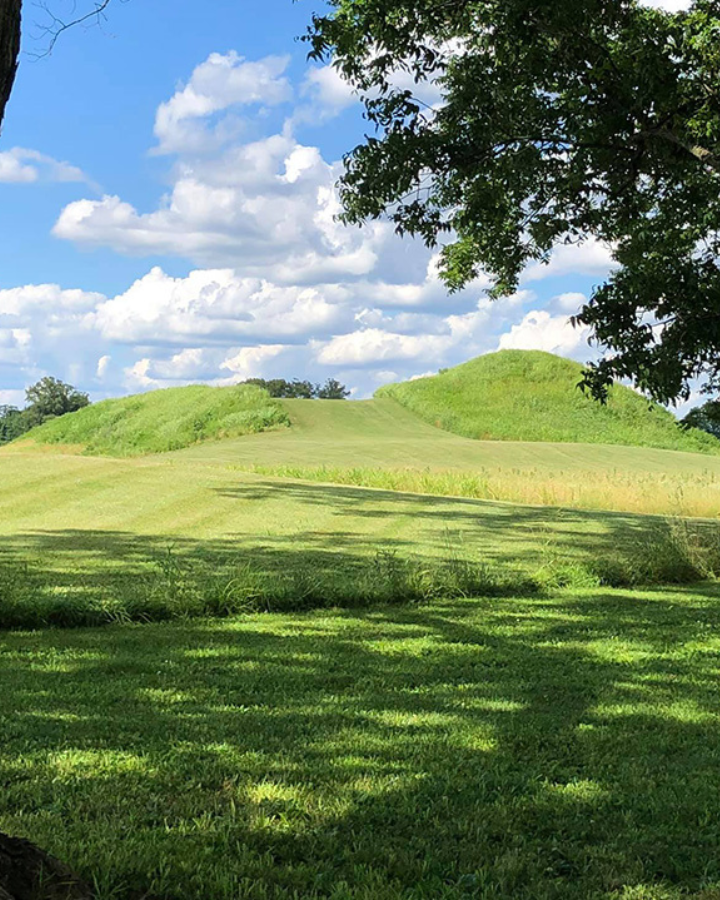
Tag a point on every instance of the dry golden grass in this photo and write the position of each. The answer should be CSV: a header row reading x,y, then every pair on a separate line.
x,y
693,494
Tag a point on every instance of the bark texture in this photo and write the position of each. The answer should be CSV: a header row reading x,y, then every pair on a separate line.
x,y
9,48
29,873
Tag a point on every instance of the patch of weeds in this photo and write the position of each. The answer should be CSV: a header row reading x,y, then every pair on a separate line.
x,y
557,572
677,551
177,586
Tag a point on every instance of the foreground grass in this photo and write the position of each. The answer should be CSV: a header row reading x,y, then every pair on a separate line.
x,y
516,748
529,395
163,420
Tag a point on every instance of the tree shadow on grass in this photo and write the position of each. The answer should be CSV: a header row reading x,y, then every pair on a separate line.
x,y
533,748
84,577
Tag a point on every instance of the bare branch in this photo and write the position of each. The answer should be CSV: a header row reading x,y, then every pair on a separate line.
x,y
57,25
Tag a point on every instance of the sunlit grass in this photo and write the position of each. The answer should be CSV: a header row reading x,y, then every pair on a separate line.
x,y
529,395
163,420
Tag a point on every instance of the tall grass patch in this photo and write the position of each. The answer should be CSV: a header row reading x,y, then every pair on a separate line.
x,y
691,494
164,420
175,586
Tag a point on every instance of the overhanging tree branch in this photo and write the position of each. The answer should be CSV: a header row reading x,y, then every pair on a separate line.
x,y
10,16
58,26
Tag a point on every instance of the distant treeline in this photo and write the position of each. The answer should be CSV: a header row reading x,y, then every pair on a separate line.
x,y
302,390
47,399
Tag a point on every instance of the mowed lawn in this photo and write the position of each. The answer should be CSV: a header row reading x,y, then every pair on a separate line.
x,y
379,443
530,748
92,531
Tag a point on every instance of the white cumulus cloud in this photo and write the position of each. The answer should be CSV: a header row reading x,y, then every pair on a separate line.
x,y
23,166
221,82
541,331
216,307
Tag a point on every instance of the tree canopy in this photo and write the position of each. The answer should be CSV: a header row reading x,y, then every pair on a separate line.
x,y
51,397
705,417
559,122
46,399
302,390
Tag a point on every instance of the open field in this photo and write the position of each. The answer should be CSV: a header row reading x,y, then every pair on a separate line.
x,y
381,443
515,748
441,698
377,443
90,539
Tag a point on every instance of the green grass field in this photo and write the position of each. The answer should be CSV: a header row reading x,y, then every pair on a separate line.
x,y
330,668
378,443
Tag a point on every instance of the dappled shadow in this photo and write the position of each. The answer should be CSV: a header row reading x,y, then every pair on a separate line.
x,y
532,748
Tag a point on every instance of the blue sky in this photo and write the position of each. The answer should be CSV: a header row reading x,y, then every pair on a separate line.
x,y
168,216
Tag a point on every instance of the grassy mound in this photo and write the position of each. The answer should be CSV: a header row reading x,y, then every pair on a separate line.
x,y
523,395
164,420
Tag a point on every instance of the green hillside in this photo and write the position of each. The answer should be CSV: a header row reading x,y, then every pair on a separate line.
x,y
522,395
164,420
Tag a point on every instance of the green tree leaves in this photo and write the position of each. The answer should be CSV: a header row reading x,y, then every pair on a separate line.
x,y
560,121
46,399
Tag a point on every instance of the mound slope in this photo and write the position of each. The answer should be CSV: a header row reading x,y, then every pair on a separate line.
x,y
529,395
164,420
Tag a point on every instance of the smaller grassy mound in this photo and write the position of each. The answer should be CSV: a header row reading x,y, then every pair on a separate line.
x,y
164,420
529,395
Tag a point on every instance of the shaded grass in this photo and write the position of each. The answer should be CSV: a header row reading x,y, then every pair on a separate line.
x,y
103,578
529,395
163,420
538,749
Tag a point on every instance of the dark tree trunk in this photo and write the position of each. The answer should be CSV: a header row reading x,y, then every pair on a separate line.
x,y
28,873
9,48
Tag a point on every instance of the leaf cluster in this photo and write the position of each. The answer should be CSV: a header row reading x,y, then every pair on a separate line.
x,y
705,417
